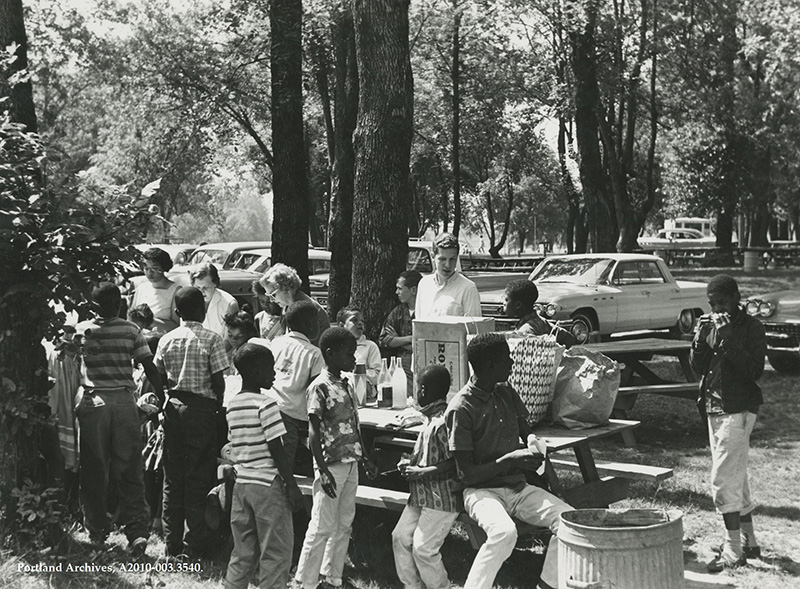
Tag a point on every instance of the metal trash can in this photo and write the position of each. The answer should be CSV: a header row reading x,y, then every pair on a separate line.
x,y
623,549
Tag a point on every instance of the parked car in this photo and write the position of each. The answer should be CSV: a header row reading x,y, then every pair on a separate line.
x,y
780,313
223,254
610,293
676,239
179,252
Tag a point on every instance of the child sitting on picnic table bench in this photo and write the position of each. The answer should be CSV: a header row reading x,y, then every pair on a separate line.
x,y
487,423
335,439
265,492
728,352
518,300
433,504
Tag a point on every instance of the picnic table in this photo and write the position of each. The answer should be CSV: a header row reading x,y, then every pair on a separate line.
x,y
602,484
637,378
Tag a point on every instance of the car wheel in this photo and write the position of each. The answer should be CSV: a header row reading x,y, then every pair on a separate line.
x,y
685,325
582,326
785,363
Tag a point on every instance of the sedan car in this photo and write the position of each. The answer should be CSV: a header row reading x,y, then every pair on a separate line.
x,y
677,238
610,293
780,313
179,252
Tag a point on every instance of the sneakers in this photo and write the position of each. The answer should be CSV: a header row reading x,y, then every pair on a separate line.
x,y
721,563
749,551
138,547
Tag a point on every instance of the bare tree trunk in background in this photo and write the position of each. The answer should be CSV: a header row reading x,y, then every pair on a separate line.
x,y
12,30
455,76
289,179
340,226
383,150
587,101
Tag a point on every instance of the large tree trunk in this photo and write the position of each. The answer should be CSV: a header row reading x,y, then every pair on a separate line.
x,y
383,150
587,102
455,152
12,30
340,226
289,179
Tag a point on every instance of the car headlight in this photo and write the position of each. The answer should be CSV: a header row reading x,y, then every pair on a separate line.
x,y
751,307
765,308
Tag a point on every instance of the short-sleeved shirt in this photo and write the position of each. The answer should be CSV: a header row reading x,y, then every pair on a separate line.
x,y
297,362
487,425
221,304
109,347
431,448
458,297
333,400
161,302
189,355
254,420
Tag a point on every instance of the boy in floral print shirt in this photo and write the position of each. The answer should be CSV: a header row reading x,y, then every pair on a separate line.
x,y
335,440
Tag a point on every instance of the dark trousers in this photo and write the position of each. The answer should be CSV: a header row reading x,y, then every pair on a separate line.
x,y
190,461
111,451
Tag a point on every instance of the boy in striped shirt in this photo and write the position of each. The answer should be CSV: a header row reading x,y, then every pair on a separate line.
x,y
265,492
110,441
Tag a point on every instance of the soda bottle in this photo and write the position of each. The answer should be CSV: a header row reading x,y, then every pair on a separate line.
x,y
398,384
384,385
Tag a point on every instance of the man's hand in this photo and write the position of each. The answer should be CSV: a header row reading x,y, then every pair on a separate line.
x,y
388,335
524,459
295,496
412,473
370,469
327,482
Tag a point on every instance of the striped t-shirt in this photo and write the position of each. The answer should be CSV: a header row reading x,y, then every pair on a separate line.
x,y
253,420
108,349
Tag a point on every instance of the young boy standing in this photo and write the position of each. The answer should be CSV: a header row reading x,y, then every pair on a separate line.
x,y
192,361
265,492
487,423
297,363
433,505
335,440
728,352
110,439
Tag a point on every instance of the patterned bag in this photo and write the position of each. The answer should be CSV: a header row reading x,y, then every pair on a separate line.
x,y
536,359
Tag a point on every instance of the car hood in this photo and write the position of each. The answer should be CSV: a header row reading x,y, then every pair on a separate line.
x,y
552,292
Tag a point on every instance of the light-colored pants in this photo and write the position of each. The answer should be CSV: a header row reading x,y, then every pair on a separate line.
x,y
328,535
261,523
493,509
416,541
729,436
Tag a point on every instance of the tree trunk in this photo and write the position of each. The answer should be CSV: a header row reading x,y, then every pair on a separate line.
x,y
455,74
587,102
289,179
12,30
345,112
383,151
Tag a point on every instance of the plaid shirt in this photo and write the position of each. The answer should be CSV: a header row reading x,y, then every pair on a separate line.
x,y
189,355
400,320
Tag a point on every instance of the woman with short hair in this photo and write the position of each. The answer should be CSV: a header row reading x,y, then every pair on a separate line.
x,y
157,291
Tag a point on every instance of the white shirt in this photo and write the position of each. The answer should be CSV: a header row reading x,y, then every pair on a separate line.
x,y
368,353
221,304
458,297
297,363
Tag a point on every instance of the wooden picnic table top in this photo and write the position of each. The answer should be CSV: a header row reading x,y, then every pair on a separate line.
x,y
556,438
646,345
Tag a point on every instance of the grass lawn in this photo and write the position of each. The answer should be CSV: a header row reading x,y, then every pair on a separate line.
x,y
670,435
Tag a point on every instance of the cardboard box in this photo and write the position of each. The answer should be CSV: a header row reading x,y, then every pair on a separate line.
x,y
443,340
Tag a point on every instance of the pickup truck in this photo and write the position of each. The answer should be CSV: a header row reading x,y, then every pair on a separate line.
x,y
609,293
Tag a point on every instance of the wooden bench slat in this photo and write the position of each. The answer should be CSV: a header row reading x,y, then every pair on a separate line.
x,y
394,442
365,495
640,472
687,390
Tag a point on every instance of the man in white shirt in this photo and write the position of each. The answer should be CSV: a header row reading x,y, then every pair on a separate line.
x,y
446,292
219,303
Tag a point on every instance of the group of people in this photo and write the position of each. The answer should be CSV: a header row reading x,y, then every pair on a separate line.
x,y
296,376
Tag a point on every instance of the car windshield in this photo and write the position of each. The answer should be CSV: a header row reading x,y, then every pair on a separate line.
x,y
217,257
575,270
419,260
242,260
